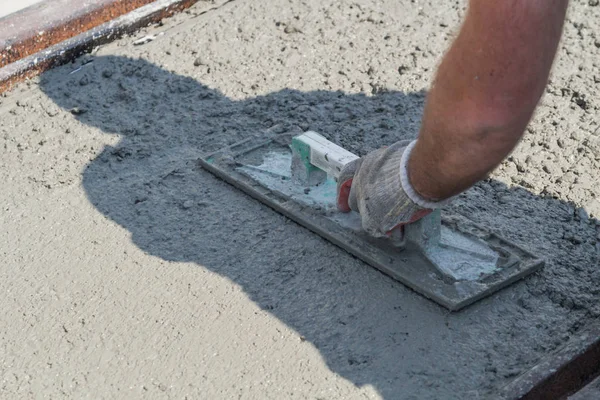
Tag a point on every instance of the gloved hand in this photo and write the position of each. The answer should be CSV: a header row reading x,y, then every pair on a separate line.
x,y
377,187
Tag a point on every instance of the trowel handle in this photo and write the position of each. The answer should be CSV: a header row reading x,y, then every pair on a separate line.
x,y
322,153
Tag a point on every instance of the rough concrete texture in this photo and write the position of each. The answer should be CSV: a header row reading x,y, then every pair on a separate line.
x,y
130,272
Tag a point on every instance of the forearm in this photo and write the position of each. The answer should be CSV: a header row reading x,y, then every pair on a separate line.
x,y
485,92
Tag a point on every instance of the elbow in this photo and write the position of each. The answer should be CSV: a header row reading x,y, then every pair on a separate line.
x,y
505,117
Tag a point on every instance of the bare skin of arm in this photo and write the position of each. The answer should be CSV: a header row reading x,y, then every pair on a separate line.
x,y
485,92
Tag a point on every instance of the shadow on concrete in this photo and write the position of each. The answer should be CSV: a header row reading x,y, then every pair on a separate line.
x,y
368,328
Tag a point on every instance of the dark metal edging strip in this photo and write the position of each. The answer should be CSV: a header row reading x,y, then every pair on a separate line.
x,y
561,374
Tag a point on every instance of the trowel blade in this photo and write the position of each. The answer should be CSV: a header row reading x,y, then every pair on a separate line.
x,y
470,263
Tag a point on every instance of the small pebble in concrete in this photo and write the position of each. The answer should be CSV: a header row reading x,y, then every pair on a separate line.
x,y
78,110
199,61
292,29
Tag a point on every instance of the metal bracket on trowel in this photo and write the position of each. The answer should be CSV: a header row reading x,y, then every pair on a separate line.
x,y
450,260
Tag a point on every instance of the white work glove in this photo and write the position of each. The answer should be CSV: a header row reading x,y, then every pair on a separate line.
x,y
377,187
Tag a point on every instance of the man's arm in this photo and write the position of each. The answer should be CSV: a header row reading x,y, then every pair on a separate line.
x,y
482,99
485,92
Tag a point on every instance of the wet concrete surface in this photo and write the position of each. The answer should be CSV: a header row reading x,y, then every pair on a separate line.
x,y
135,273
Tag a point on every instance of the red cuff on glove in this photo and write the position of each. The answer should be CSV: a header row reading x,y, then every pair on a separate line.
x,y
342,196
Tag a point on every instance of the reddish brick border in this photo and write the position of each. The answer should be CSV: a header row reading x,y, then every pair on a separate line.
x,y
78,42
52,21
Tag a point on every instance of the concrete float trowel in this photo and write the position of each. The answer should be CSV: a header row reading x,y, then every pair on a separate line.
x,y
450,260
